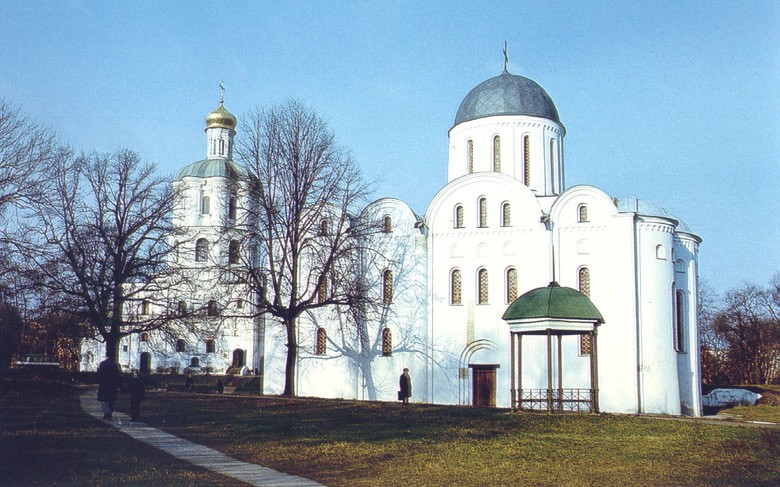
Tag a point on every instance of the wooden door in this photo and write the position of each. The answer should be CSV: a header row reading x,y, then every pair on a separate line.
x,y
483,381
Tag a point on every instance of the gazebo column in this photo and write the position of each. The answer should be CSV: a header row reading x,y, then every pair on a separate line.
x,y
549,372
512,388
560,373
520,370
594,370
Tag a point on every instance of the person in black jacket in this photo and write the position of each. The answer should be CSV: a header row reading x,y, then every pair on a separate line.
x,y
109,378
405,384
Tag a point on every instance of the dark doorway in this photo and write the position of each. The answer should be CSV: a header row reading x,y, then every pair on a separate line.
x,y
145,366
238,358
483,381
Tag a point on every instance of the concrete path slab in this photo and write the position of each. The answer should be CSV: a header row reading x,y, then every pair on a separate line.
x,y
194,453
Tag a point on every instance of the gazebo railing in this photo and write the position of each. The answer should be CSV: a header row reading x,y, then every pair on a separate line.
x,y
553,400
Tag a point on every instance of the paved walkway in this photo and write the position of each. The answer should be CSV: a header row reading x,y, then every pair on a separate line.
x,y
194,453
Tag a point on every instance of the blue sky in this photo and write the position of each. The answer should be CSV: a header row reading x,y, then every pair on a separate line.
x,y
675,102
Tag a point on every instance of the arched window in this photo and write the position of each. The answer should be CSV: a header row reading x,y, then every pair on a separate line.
x,y
324,227
583,281
552,160
527,160
144,307
387,224
322,292
195,362
205,205
182,308
232,207
583,284
144,337
511,285
482,284
455,287
679,320
180,345
660,252
201,250
213,309
176,251
387,287
482,221
582,213
506,214
470,155
239,303
322,342
387,342
233,252
496,154
459,216
210,346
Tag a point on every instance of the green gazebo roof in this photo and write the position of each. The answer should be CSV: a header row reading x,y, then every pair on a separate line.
x,y
553,302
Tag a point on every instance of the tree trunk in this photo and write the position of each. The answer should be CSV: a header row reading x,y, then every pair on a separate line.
x,y
292,357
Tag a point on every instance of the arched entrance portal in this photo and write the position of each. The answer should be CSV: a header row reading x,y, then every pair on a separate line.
x,y
480,359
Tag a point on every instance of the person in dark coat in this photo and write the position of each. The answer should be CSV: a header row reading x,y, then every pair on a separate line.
x,y
136,396
405,384
189,383
109,378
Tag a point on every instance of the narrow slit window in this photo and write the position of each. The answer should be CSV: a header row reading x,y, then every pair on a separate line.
x,y
482,284
234,252
387,287
582,213
482,209
201,250
511,285
496,154
322,341
455,287
470,155
387,224
506,215
527,160
387,342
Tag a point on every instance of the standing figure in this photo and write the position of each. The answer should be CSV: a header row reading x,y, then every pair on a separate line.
x,y
136,396
109,378
189,383
405,384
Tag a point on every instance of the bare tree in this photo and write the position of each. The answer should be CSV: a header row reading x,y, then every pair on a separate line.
x,y
26,151
304,239
713,346
395,307
750,325
98,239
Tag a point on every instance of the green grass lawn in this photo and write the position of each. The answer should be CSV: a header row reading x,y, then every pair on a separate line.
x,y
360,443
46,440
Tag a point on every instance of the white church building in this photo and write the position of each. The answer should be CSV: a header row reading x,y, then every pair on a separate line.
x,y
503,229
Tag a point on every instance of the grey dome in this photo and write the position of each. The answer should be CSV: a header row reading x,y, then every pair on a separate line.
x,y
212,168
507,94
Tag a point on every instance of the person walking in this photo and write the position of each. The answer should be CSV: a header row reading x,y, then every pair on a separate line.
x,y
109,378
136,396
405,384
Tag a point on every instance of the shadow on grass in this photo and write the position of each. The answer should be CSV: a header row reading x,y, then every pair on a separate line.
x,y
45,439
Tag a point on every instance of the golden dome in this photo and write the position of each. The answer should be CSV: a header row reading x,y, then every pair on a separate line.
x,y
221,118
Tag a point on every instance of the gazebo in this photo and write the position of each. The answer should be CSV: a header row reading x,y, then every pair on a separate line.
x,y
553,311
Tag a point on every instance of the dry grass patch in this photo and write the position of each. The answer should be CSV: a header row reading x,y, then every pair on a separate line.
x,y
359,443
